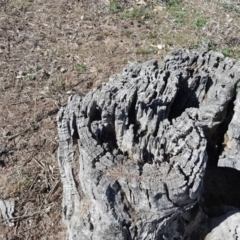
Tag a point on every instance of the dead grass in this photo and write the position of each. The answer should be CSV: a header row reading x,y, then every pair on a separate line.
x,y
48,48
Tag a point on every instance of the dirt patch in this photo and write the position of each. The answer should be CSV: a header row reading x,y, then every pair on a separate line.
x,y
49,50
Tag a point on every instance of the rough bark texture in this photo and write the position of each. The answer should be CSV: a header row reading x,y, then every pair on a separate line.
x,y
231,155
133,154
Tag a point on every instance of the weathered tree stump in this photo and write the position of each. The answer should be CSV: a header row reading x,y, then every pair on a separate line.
x,y
132,154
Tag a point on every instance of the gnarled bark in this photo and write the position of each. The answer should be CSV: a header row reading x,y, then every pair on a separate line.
x,y
132,154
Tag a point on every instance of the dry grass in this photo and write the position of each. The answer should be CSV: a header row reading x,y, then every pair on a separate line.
x,y
48,48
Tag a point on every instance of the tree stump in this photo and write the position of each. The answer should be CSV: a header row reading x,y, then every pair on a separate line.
x,y
133,154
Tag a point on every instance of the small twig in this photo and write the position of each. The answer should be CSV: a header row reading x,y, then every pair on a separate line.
x,y
34,181
52,190
49,113
19,103
14,219
19,134
40,164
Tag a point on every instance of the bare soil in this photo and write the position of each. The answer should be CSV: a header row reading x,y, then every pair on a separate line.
x,y
51,49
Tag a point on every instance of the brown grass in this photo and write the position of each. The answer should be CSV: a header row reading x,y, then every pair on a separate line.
x,y
42,45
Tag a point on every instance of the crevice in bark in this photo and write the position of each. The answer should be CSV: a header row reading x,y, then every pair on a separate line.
x,y
167,193
215,145
209,84
96,114
132,113
165,79
150,206
91,227
135,233
185,98
75,135
186,178
108,136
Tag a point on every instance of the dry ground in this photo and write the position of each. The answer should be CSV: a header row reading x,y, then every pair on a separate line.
x,y
50,49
